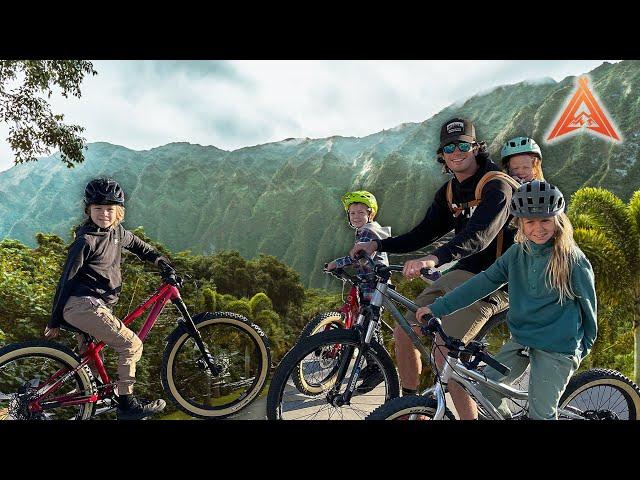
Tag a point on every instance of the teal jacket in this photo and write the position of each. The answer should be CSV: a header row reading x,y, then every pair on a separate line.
x,y
536,318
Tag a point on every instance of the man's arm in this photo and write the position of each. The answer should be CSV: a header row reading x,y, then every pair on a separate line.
x,y
437,222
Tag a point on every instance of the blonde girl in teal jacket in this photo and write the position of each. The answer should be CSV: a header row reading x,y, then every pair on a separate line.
x,y
552,300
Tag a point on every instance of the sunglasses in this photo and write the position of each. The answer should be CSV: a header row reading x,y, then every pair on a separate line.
x,y
462,146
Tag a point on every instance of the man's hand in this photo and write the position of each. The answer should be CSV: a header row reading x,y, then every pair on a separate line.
x,y
51,332
331,266
368,247
412,267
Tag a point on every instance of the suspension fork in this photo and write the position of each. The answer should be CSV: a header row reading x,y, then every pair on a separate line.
x,y
187,324
365,340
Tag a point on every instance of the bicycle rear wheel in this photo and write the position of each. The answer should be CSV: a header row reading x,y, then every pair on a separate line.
x,y
323,322
600,394
240,349
286,402
25,367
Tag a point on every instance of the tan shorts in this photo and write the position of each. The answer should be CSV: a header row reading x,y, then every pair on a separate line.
x,y
465,323
92,316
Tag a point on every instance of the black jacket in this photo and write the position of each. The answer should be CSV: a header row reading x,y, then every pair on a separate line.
x,y
93,265
474,244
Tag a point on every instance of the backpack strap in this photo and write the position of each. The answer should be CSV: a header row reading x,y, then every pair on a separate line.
x,y
487,177
494,175
457,209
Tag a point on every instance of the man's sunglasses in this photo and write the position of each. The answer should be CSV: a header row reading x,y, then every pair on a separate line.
x,y
462,146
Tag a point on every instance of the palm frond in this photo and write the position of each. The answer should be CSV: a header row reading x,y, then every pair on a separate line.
x,y
613,278
612,217
581,220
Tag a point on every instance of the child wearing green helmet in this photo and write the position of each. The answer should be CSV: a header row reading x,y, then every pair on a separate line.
x,y
361,207
522,159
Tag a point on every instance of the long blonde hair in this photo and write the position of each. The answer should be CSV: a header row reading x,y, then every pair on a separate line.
x,y
564,255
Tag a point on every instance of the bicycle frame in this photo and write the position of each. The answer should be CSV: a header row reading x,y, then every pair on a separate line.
x,y
350,307
383,296
156,302
455,370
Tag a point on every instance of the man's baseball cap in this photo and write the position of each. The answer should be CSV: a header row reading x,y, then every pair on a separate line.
x,y
457,129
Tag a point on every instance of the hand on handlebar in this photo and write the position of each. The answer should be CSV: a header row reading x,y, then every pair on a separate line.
x,y
328,267
412,267
367,247
164,265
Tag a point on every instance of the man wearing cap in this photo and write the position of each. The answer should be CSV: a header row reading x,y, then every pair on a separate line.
x,y
474,247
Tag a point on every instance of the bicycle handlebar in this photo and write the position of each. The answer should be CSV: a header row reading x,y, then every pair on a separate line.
x,y
434,325
170,276
430,274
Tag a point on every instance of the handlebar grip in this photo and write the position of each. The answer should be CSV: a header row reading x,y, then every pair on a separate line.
x,y
432,325
493,363
430,274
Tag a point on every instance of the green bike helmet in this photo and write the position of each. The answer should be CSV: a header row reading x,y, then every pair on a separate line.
x,y
360,196
517,146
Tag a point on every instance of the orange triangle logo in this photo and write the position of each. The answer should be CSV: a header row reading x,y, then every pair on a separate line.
x,y
583,111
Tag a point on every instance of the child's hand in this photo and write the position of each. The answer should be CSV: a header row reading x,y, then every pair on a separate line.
x,y
412,267
368,247
51,332
423,311
331,266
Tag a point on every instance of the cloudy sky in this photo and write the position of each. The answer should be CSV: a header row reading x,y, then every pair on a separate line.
x,y
233,104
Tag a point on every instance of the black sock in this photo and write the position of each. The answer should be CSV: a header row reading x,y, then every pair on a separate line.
x,y
409,391
124,401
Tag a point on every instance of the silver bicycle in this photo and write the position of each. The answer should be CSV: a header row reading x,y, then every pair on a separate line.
x,y
596,394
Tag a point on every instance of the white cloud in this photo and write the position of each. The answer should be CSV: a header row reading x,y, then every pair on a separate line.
x,y
145,104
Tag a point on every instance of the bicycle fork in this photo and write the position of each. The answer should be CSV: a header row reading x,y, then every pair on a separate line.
x,y
336,399
188,325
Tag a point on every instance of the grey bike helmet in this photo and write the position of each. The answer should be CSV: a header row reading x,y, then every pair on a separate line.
x,y
537,199
518,146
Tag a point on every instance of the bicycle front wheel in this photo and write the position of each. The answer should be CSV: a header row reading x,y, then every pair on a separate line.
x,y
413,407
240,350
26,367
602,394
320,357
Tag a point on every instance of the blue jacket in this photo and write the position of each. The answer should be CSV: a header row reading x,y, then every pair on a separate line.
x,y
535,318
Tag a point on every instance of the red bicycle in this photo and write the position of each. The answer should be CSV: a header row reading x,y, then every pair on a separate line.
x,y
214,364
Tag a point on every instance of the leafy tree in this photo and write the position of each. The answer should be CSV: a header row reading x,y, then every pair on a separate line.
x,y
608,231
33,127
259,303
210,301
240,307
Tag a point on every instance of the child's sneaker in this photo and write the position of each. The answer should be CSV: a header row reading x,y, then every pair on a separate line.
x,y
130,408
